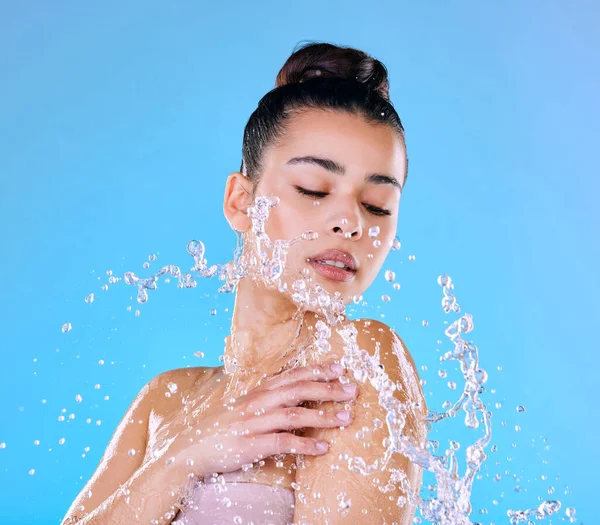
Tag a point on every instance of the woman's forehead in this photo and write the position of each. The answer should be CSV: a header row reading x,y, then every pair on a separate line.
x,y
345,138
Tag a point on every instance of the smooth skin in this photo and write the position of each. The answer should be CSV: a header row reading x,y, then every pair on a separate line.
x,y
291,410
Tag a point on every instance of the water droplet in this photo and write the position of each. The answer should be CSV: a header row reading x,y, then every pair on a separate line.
x,y
396,286
385,298
213,312
89,298
444,280
199,354
377,243
389,275
131,452
344,501
357,299
374,231
310,235
520,408
396,244
67,327
196,249
172,387
425,323
411,257
78,398
451,385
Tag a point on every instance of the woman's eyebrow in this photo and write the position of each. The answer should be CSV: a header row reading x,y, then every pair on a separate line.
x,y
339,169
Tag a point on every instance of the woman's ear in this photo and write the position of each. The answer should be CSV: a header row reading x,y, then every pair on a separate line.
x,y
238,196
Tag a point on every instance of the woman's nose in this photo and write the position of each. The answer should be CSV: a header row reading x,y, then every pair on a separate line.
x,y
348,230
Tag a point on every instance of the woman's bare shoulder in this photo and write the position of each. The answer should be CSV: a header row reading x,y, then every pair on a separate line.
x,y
395,357
168,388
380,334
183,379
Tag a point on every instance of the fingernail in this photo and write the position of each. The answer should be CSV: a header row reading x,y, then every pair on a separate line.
x,y
322,446
337,368
350,388
344,415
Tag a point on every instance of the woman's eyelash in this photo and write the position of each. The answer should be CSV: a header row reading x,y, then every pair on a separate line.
x,y
318,194
321,194
377,211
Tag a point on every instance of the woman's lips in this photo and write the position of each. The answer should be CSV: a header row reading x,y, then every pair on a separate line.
x,y
332,272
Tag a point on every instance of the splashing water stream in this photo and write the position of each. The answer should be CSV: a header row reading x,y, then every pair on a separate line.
x,y
451,504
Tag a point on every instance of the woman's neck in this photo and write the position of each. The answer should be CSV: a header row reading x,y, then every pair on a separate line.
x,y
266,330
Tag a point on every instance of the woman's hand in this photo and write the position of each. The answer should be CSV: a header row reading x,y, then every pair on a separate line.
x,y
256,425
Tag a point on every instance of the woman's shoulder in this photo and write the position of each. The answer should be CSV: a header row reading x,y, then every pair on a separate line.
x,y
186,374
375,334
169,383
376,337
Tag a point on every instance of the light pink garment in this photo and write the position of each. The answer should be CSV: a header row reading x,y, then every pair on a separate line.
x,y
238,503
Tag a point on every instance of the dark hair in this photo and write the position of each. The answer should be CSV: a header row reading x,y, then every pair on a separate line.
x,y
318,76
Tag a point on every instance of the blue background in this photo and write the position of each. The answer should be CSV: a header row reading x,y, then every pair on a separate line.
x,y
119,123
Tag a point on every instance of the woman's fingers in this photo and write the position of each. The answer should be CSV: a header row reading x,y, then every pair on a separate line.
x,y
297,393
295,417
285,443
325,372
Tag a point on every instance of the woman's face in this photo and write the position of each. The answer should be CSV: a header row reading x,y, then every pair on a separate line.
x,y
357,187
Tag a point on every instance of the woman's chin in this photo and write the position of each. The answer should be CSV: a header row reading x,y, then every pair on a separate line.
x,y
346,289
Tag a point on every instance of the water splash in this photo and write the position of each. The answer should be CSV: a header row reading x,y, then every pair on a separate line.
x,y
265,260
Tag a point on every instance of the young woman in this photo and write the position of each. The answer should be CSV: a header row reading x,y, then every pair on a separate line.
x,y
259,440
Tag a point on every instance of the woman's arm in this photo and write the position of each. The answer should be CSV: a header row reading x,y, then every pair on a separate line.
x,y
151,493
105,497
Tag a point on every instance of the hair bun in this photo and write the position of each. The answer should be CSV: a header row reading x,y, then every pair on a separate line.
x,y
326,60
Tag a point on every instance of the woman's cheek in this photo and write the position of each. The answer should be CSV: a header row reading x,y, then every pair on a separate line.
x,y
281,222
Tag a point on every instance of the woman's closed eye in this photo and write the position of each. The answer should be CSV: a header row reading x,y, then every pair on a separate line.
x,y
320,194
